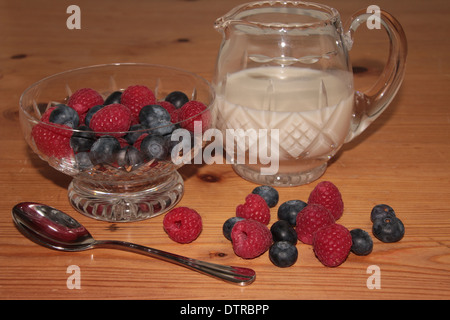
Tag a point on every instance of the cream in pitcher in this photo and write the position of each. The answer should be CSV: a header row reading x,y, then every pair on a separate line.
x,y
283,69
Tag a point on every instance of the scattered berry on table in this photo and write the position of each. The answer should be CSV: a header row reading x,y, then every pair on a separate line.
x,y
283,254
250,238
310,219
283,231
255,208
381,211
362,243
228,226
269,194
328,195
289,210
177,99
388,229
183,224
135,97
332,244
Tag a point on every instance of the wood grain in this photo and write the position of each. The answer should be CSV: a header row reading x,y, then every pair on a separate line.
x,y
402,160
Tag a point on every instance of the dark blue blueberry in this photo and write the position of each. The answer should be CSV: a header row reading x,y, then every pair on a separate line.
x,y
91,112
83,161
104,150
283,231
82,139
136,130
388,229
228,226
153,113
288,210
155,147
113,98
283,254
177,98
362,242
268,193
129,157
161,128
65,115
381,211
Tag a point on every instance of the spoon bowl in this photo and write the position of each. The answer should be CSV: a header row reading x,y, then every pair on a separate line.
x,y
52,228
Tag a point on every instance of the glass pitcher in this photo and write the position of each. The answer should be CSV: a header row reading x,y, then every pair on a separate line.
x,y
285,101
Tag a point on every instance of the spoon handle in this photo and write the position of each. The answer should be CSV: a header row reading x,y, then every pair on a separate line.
x,y
235,275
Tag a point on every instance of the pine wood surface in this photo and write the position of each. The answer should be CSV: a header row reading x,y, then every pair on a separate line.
x,y
402,159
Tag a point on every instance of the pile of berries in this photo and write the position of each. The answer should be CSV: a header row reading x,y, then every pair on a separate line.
x,y
312,222
125,130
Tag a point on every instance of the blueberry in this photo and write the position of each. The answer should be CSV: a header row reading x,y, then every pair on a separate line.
x,y
136,130
151,114
82,139
177,98
362,242
388,229
82,160
268,193
161,128
381,211
288,210
129,156
113,98
91,112
283,231
65,115
228,226
155,147
283,254
104,150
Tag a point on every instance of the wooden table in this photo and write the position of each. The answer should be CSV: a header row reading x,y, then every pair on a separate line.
x,y
401,160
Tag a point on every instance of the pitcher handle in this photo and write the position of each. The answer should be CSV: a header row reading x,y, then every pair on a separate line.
x,y
370,104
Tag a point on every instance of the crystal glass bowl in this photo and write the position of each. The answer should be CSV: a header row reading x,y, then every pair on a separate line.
x,y
132,185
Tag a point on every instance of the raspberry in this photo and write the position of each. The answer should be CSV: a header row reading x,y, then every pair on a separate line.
x,y
310,219
250,238
84,99
112,118
255,208
52,141
332,244
182,224
193,111
135,97
328,195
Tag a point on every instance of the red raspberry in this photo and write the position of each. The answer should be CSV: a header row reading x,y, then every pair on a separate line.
x,y
193,111
250,238
52,141
182,224
136,97
255,208
112,118
328,195
84,99
310,219
332,244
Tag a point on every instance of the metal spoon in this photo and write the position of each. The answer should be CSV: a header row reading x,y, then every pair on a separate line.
x,y
54,229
